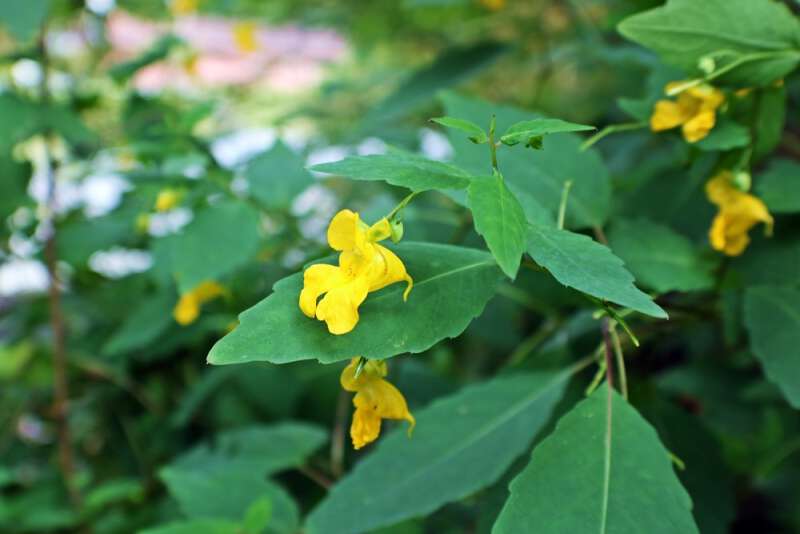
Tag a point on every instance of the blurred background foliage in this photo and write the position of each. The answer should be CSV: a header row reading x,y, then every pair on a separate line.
x,y
214,109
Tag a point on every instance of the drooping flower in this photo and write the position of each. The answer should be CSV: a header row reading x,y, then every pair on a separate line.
x,y
738,213
376,399
187,309
364,266
695,110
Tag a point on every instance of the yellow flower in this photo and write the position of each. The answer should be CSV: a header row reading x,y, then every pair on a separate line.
x,y
167,199
694,110
493,5
183,7
244,35
187,309
364,266
375,399
738,213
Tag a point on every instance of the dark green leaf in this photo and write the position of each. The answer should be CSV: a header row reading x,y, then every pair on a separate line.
x,y
770,107
603,470
148,319
405,170
779,186
276,177
578,262
461,444
499,218
451,287
772,317
726,135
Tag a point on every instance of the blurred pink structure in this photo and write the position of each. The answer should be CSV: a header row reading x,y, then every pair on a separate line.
x,y
284,59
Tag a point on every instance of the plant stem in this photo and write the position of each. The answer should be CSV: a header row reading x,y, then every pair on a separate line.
x,y
607,353
492,144
403,203
608,130
623,378
562,207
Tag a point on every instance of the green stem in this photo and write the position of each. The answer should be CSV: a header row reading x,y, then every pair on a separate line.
x,y
403,203
614,128
492,144
623,378
562,207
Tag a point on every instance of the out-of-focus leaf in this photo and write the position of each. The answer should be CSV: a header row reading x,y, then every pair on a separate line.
x,y
475,133
24,19
726,135
779,186
148,319
158,51
683,32
461,443
499,218
770,120
451,287
220,239
276,177
196,526
405,170
772,317
659,257
603,469
577,261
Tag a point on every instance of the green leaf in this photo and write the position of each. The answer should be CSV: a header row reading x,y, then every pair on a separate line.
x,y
228,494
220,239
578,262
405,170
196,526
726,135
525,130
499,218
24,19
537,179
158,51
257,516
685,31
770,108
451,287
659,257
461,444
149,318
772,317
475,132
779,186
603,470
452,67
277,176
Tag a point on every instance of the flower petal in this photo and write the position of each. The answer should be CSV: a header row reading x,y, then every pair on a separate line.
x,y
365,428
339,308
186,310
345,232
667,115
393,271
318,279
699,126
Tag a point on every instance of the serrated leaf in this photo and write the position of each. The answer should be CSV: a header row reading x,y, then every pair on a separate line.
x,y
499,218
578,262
726,135
277,176
475,132
460,444
603,470
451,287
683,32
772,317
659,257
537,179
405,170
523,131
779,186
220,239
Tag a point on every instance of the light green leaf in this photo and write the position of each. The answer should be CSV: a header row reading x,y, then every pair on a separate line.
x,y
685,31
24,19
277,176
228,494
537,179
475,132
451,287
499,218
726,135
220,239
196,526
772,317
460,444
257,516
779,186
577,261
523,131
405,170
659,257
602,470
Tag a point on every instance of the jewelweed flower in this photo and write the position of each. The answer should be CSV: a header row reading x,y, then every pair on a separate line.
x,y
187,309
364,266
167,199
738,213
375,399
244,36
695,110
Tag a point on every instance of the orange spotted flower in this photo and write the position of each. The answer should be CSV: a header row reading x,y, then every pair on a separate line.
x,y
375,399
695,110
738,213
364,266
